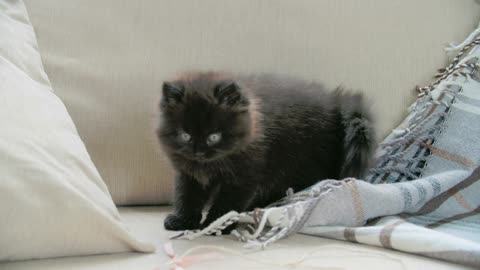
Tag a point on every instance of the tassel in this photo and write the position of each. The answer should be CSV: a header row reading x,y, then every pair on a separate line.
x,y
453,49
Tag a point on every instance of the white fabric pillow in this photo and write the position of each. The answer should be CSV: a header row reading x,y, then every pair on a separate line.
x,y
53,202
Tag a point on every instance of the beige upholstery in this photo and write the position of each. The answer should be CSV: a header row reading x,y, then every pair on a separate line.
x,y
107,58
331,255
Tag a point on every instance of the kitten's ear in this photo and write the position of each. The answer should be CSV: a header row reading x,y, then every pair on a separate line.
x,y
172,94
228,93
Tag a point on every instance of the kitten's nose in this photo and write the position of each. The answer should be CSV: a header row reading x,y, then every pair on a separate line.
x,y
199,154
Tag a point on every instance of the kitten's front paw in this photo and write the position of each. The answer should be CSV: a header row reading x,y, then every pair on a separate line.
x,y
178,223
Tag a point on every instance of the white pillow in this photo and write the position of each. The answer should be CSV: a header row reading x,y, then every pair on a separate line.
x,y
53,202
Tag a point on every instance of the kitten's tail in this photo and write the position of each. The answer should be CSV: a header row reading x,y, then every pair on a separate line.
x,y
359,139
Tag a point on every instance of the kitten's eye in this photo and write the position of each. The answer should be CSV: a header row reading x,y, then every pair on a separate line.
x,y
214,138
185,137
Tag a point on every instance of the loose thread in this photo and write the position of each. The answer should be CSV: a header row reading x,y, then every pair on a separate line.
x,y
294,263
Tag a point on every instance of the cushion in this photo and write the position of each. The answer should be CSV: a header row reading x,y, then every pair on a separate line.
x,y
53,202
321,253
107,59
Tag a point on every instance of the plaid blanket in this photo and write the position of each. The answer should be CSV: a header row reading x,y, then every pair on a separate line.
x,y
423,195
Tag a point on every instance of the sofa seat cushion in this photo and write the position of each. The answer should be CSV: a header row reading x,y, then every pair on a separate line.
x,y
146,223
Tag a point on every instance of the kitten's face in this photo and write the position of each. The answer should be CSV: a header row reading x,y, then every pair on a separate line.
x,y
203,119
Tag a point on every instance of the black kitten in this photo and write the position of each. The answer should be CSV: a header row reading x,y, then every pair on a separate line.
x,y
253,137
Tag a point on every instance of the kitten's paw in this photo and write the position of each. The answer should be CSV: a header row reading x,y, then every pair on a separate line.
x,y
178,223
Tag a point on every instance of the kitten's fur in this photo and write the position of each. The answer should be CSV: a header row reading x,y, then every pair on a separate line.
x,y
276,133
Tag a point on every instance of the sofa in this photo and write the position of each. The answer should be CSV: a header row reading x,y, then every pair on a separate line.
x,y
106,61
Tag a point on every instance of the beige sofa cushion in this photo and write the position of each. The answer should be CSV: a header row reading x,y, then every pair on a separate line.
x,y
107,58
322,253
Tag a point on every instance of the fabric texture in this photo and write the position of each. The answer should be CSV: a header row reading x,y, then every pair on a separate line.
x,y
107,58
422,196
53,202
322,253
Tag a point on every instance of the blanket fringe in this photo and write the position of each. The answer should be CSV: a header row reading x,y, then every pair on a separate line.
x,y
215,228
453,49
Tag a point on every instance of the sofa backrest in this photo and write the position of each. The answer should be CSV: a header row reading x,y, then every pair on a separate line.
x,y
107,59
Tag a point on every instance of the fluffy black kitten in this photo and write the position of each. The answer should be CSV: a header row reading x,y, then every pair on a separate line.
x,y
253,137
